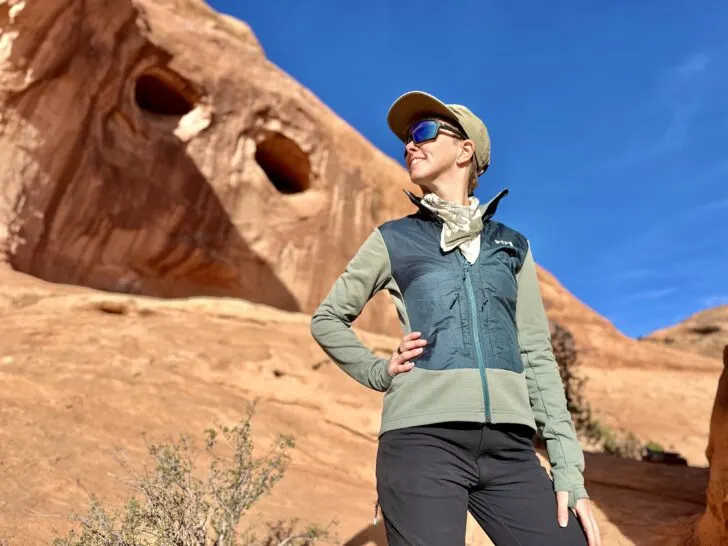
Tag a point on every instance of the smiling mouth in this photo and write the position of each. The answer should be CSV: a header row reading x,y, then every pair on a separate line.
x,y
416,160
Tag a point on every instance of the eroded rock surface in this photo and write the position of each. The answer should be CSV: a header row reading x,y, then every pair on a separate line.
x,y
705,332
83,373
713,526
149,147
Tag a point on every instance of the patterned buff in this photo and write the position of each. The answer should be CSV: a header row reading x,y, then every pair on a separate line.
x,y
462,224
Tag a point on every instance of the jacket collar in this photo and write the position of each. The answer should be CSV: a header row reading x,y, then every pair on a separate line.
x,y
489,209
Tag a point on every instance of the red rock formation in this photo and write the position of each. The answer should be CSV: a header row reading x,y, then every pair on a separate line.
x,y
150,147
705,332
712,529
85,373
601,345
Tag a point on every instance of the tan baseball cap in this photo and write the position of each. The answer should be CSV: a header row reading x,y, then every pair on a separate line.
x,y
414,105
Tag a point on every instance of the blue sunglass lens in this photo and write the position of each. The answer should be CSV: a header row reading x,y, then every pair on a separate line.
x,y
425,130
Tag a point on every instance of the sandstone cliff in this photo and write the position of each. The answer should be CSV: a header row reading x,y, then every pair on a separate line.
x,y
713,526
83,373
149,147
705,333
602,345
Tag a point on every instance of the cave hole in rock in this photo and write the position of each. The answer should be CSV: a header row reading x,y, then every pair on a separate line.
x,y
285,164
705,330
164,93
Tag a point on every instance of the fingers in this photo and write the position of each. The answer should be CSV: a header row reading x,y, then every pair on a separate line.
x,y
584,512
597,534
411,336
409,349
588,525
562,507
410,342
411,346
397,368
402,362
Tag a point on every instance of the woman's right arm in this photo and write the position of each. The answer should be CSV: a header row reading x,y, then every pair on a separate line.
x,y
368,272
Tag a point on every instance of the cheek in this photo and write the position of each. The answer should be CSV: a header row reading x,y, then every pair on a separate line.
x,y
440,154
430,149
437,160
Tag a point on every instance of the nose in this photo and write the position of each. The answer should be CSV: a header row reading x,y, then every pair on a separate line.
x,y
410,148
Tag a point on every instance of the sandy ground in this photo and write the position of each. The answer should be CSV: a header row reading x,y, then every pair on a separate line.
x,y
84,373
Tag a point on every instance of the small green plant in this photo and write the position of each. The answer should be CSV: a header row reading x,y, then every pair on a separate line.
x,y
654,446
621,443
173,507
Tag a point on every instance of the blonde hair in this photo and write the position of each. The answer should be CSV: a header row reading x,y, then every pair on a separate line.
x,y
472,178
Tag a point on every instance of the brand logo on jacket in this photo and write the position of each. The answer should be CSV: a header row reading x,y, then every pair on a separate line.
x,y
508,243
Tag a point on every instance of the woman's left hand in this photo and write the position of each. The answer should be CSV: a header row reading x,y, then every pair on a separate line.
x,y
583,511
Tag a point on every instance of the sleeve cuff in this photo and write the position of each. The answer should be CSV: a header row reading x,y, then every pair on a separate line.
x,y
572,482
577,494
385,380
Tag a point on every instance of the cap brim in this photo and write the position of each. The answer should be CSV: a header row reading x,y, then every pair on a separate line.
x,y
413,106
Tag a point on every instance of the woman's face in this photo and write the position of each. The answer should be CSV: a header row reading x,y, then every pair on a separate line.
x,y
428,160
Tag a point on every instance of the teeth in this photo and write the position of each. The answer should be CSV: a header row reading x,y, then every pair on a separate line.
x,y
417,160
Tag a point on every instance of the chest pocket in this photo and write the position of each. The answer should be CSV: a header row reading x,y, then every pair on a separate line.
x,y
498,291
434,308
496,270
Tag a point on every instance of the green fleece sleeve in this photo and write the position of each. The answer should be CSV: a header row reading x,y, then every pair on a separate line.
x,y
367,273
545,388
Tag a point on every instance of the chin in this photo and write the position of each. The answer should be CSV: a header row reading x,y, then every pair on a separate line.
x,y
419,176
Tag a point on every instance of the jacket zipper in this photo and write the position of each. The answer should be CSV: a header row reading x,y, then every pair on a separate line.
x,y
474,318
476,338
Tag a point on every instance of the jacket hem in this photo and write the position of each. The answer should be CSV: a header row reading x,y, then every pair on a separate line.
x,y
471,416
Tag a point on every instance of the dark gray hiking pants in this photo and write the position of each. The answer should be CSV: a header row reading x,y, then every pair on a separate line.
x,y
428,477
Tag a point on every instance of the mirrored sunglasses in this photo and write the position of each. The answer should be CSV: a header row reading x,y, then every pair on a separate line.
x,y
428,129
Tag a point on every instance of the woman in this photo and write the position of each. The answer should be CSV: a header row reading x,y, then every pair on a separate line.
x,y
474,376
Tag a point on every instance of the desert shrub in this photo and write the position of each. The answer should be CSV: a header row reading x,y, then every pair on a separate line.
x,y
566,355
616,442
171,506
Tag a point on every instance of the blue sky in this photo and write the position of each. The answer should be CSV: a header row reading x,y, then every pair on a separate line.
x,y
609,123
